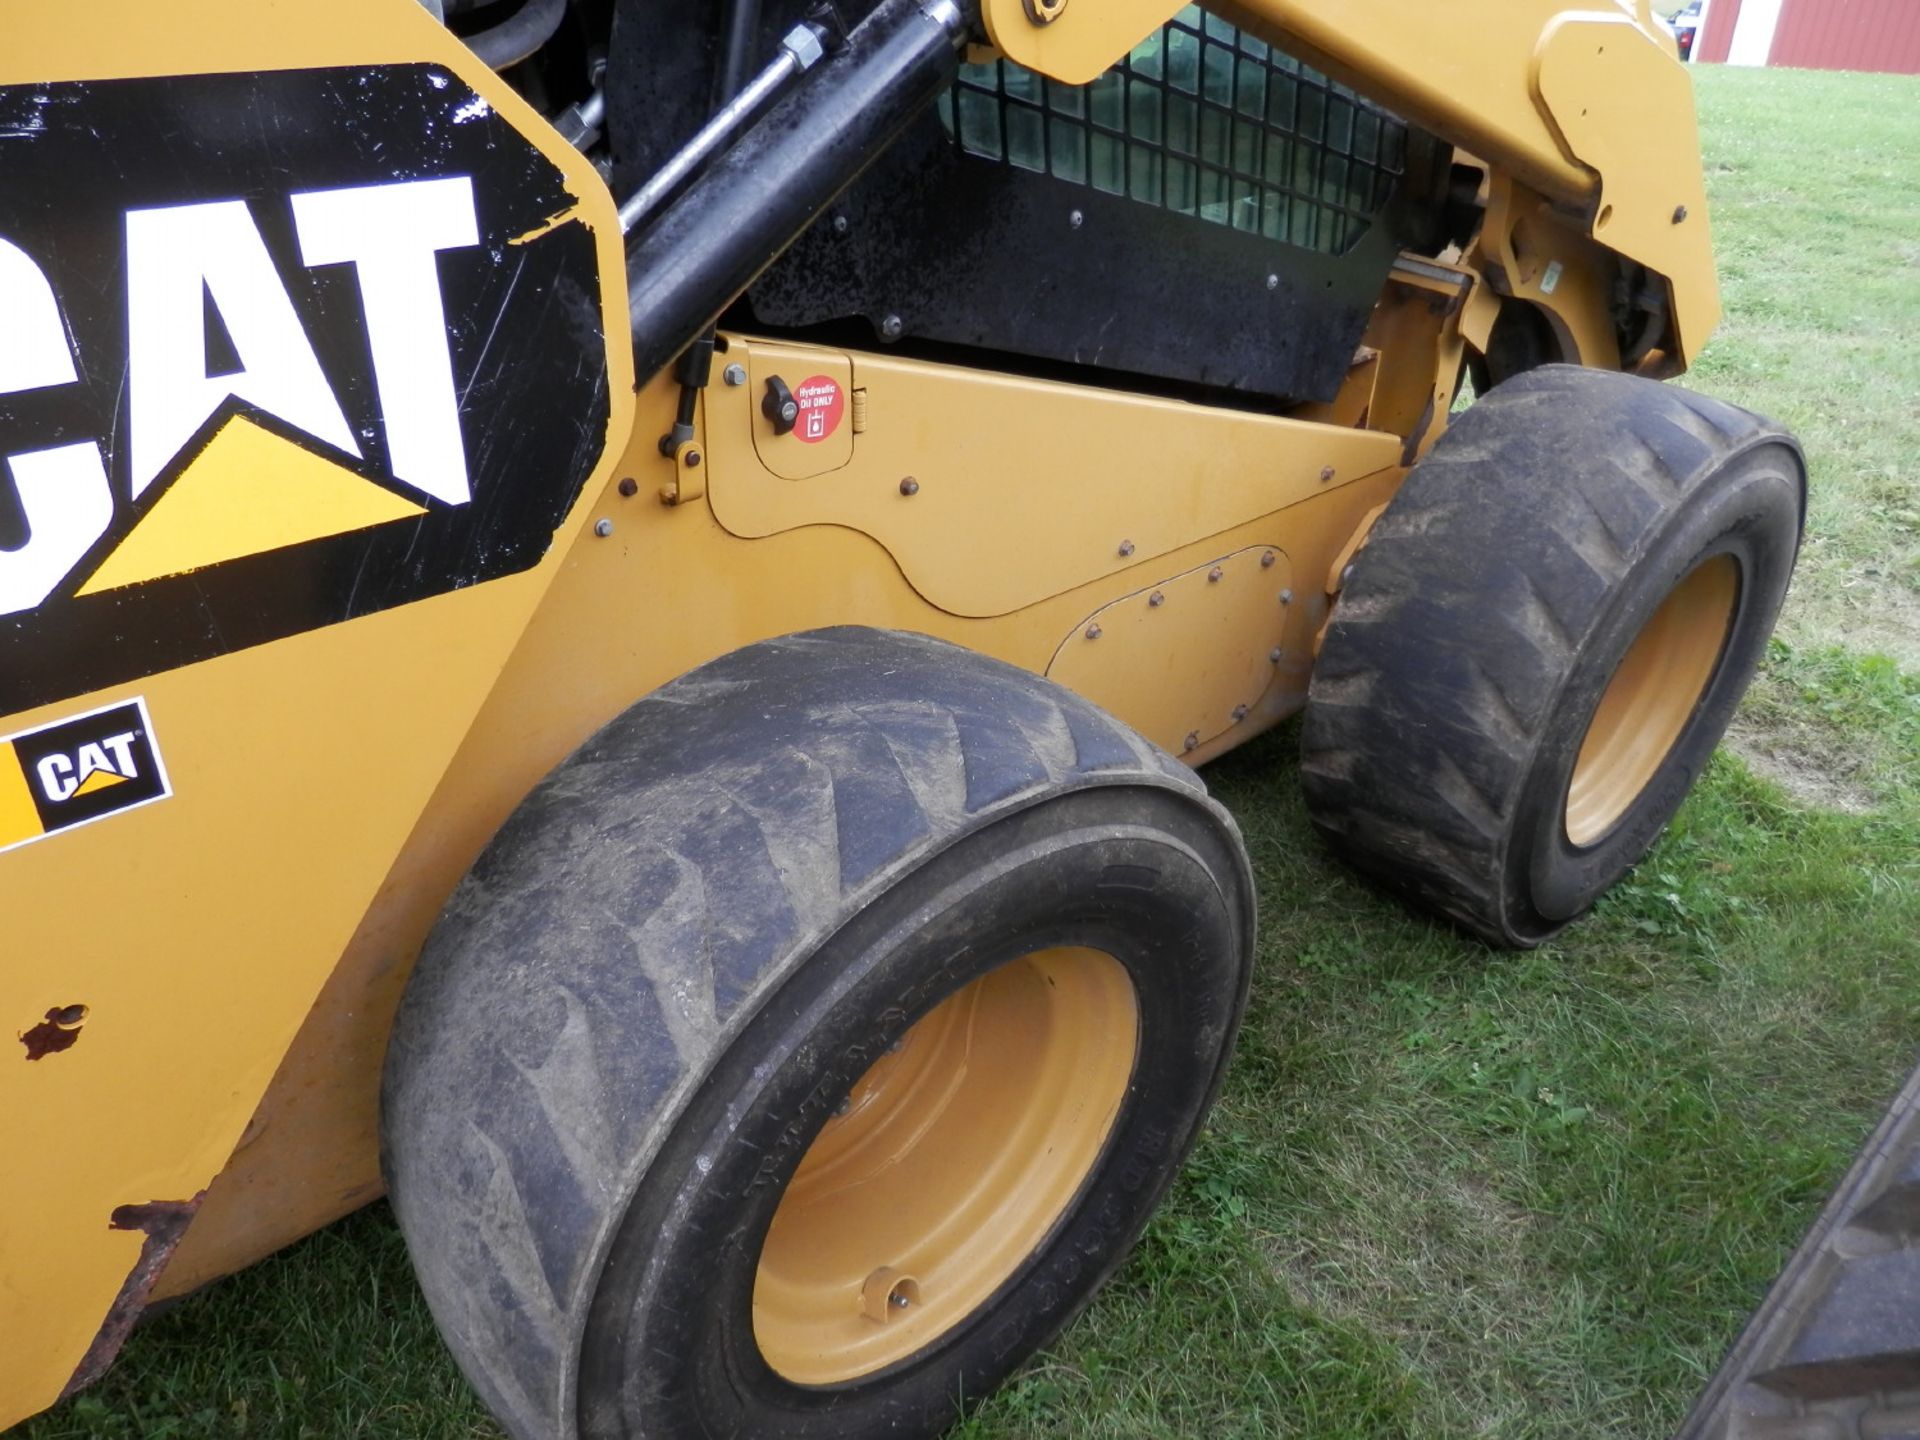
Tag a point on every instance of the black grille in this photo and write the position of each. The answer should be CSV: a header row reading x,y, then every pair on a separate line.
x,y
1201,120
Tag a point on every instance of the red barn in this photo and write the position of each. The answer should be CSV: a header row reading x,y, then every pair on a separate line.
x,y
1814,34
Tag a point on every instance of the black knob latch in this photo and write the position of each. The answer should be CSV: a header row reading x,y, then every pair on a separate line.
x,y
780,407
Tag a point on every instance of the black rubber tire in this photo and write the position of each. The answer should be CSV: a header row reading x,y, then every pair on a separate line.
x,y
692,939
1481,622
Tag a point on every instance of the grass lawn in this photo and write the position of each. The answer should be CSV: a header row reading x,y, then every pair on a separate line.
x,y
1450,1191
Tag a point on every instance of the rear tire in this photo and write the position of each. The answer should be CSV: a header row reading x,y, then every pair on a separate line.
x,y
1542,641
682,970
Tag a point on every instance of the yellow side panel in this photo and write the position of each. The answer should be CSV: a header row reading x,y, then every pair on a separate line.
x,y
198,930
962,475
248,492
1156,654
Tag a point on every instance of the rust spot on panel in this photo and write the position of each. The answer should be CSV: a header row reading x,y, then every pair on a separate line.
x,y
163,1222
57,1032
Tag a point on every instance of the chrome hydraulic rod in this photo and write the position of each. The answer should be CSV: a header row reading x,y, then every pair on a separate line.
x,y
800,51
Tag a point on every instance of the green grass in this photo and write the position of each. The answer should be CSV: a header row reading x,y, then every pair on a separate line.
x,y
1448,1191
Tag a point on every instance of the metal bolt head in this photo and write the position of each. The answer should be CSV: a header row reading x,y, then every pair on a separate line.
x,y
735,375
1077,219
1239,712
1156,599
1679,214
1094,632
909,486
629,488
603,528
1126,548
1346,575
1192,741
1273,656
1266,560
1273,282
1215,575
803,43
1286,597
841,224
892,328
1326,474
899,1300
844,1106
691,460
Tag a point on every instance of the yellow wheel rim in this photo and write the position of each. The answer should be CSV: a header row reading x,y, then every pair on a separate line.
x,y
1651,697
953,1159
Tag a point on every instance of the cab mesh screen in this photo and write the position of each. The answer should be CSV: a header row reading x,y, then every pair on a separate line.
x,y
1201,120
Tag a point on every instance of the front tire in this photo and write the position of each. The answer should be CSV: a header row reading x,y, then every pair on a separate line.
x,y
808,1049
1542,641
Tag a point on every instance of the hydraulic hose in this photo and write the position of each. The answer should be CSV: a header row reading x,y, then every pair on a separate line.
x,y
520,34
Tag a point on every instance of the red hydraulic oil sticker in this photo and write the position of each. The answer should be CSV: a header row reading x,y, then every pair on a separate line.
x,y
823,404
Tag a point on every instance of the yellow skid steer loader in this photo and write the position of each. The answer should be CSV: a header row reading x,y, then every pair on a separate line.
x,y
607,610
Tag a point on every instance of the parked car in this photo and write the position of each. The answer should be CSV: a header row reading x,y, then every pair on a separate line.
x,y
1686,26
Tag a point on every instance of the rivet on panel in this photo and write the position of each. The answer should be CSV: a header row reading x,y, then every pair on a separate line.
x,y
691,460
1273,655
1094,632
892,328
1215,575
1239,712
1193,740
1266,560
1286,597
629,488
1076,219
1273,282
1326,474
1126,548
909,486
1156,599
603,528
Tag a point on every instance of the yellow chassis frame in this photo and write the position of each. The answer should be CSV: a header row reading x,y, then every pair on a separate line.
x,y
240,949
